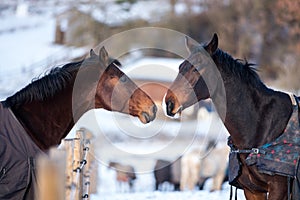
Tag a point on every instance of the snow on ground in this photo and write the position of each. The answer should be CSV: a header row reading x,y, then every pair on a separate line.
x,y
114,145
108,189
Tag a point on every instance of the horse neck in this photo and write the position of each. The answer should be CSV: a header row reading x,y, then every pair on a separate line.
x,y
253,115
48,122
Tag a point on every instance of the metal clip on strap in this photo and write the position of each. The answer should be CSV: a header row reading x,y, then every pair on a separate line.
x,y
253,151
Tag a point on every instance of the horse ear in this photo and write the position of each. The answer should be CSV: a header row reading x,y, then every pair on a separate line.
x,y
190,46
103,56
92,53
212,46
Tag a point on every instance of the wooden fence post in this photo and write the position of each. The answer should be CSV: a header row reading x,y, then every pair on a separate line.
x,y
68,145
77,174
87,137
50,169
93,170
74,161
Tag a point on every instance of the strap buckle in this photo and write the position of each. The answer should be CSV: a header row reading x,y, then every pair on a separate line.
x,y
255,150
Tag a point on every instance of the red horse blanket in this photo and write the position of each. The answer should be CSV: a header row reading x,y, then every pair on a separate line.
x,y
17,159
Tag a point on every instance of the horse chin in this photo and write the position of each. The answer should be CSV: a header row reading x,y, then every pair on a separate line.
x,y
177,114
145,118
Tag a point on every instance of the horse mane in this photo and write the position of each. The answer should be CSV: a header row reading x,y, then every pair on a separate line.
x,y
240,68
47,86
41,88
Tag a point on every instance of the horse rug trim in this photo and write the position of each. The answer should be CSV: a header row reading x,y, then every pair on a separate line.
x,y
17,159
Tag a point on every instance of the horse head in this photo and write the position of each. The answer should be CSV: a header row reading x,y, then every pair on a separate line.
x,y
113,90
194,81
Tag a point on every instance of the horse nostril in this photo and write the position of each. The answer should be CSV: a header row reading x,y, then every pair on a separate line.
x,y
170,107
154,109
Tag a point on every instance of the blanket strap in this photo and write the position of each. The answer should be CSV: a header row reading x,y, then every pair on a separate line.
x,y
253,151
230,197
289,187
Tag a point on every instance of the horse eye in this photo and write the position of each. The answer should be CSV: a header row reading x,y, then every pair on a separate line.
x,y
195,70
123,79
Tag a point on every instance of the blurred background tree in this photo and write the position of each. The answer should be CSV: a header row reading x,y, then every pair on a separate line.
x,y
266,33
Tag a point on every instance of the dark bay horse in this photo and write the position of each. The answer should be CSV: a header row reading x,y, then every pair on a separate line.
x,y
48,108
253,114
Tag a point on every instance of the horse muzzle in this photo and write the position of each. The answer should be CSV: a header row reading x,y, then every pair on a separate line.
x,y
171,108
146,117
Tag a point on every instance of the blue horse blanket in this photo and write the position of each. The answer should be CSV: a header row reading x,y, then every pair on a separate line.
x,y
282,155
279,157
17,159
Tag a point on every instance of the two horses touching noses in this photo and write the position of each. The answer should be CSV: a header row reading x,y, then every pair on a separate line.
x,y
46,110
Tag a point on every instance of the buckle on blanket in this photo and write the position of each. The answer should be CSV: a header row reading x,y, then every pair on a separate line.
x,y
255,150
233,149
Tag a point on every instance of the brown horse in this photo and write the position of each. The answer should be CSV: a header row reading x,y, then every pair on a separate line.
x,y
48,108
253,114
125,174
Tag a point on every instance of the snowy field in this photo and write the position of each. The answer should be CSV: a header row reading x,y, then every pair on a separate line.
x,y
108,189
113,145
27,51
144,189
